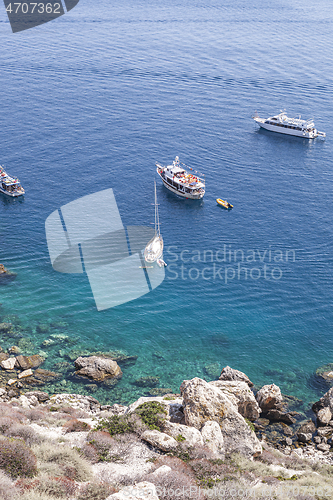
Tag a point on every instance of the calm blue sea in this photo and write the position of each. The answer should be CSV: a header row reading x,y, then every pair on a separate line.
x,y
91,100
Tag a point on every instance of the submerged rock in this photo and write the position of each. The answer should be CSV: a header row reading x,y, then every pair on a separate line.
x,y
6,275
8,364
26,362
3,356
43,328
231,374
147,381
41,377
96,368
25,373
213,370
203,402
14,350
325,373
160,391
275,415
6,327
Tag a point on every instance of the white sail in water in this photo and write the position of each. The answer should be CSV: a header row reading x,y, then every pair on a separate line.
x,y
154,250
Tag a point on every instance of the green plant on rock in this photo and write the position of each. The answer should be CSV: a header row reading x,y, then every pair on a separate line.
x,y
250,424
152,413
117,424
180,438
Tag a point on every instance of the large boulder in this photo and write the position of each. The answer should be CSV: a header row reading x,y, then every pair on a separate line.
x,y
160,440
231,374
241,395
142,491
306,431
324,402
97,368
280,416
324,416
204,402
212,438
269,398
190,436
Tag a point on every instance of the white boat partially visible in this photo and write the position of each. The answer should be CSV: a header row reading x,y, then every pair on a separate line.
x,y
291,126
10,186
154,249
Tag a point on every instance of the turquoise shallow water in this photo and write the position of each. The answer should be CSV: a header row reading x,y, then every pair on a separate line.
x,y
93,99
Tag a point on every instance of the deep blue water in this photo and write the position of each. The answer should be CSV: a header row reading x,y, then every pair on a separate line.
x,y
93,99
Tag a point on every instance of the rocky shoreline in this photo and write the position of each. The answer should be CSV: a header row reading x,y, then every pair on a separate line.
x,y
211,435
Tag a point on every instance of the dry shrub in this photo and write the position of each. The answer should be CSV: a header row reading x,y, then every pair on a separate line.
x,y
175,484
6,422
90,453
294,462
25,432
96,491
193,452
269,457
102,442
16,459
35,415
74,412
33,495
72,465
210,472
59,487
174,463
123,447
75,425
57,419
7,488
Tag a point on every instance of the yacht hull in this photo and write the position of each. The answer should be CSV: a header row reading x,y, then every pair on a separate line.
x,y
288,131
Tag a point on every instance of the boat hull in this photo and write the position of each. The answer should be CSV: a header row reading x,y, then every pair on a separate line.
x,y
154,249
287,131
11,195
196,196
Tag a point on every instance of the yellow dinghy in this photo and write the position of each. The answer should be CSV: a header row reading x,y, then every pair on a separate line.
x,y
224,204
